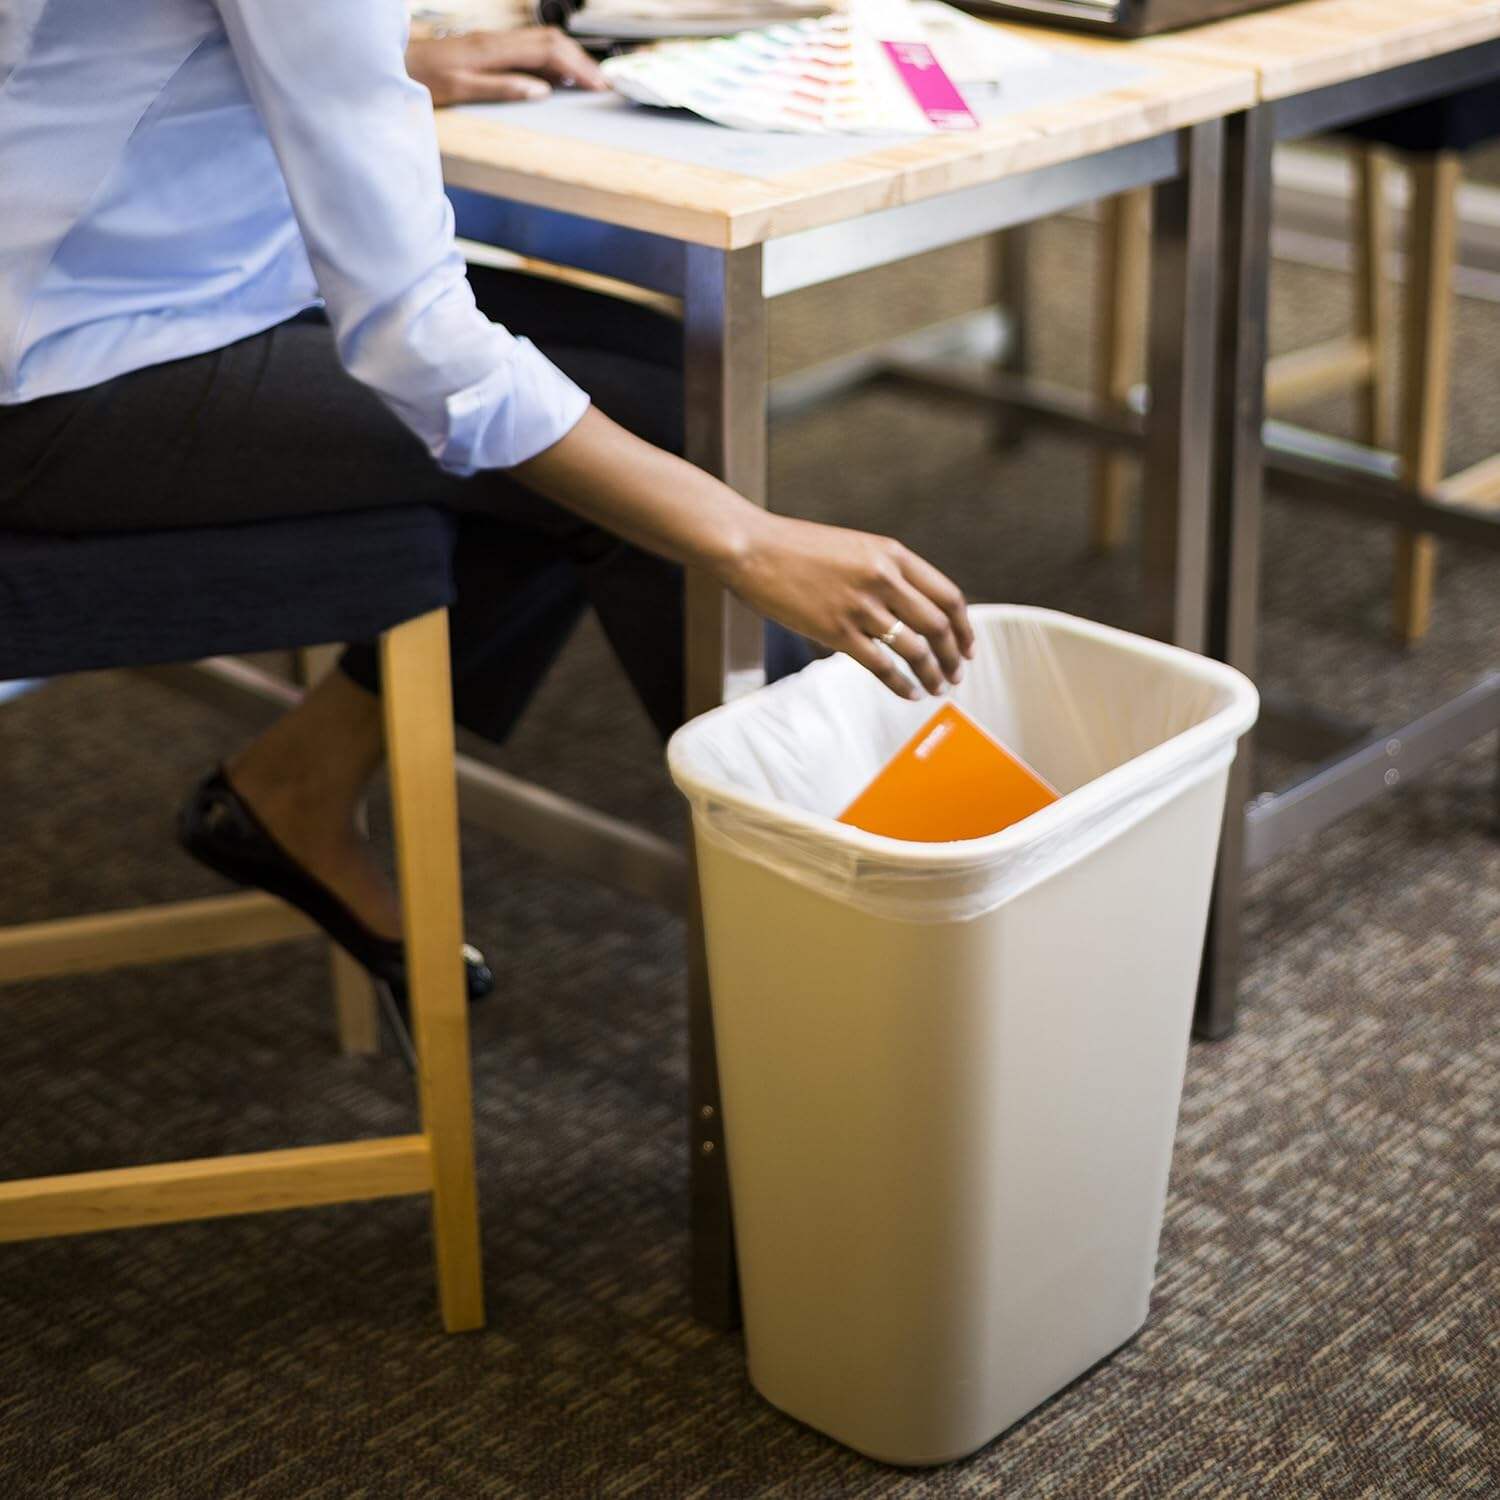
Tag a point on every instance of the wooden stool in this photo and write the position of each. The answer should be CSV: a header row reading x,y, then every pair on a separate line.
x,y
1429,139
81,604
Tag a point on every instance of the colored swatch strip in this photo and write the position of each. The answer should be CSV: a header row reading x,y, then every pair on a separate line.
x,y
817,76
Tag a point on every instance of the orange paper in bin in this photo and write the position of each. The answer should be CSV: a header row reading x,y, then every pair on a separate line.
x,y
950,781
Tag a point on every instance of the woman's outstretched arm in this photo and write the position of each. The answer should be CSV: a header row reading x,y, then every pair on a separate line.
x,y
842,588
355,140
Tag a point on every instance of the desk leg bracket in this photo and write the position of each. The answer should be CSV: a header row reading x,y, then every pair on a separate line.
x,y
1383,763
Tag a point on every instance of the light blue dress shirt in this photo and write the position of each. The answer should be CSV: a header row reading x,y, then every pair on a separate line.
x,y
179,174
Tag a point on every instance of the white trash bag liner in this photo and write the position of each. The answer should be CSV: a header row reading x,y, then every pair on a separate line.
x,y
1118,724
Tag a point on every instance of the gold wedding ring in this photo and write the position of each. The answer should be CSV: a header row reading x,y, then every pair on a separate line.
x,y
892,635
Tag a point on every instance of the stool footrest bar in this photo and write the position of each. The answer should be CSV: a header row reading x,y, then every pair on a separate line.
x,y
1095,419
214,1187
148,935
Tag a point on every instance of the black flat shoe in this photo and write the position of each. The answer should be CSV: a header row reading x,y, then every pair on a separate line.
x,y
219,829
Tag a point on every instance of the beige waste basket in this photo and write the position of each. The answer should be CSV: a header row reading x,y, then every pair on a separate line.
x,y
951,1072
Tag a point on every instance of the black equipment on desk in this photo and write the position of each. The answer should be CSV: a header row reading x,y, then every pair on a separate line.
x,y
1114,17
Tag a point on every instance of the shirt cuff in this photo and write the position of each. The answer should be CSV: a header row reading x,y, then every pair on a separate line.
x,y
518,410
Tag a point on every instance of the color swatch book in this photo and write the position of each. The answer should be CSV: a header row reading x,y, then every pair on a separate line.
x,y
869,69
950,781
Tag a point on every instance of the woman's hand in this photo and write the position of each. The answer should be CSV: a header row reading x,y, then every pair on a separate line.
x,y
847,590
479,66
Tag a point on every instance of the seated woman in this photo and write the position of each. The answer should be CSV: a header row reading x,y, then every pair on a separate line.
x,y
229,292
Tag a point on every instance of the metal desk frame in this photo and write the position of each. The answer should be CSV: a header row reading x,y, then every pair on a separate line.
x,y
1368,765
1353,763
725,296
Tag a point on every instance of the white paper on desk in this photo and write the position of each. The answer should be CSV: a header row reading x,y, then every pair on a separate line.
x,y
608,120
868,70
889,67
973,52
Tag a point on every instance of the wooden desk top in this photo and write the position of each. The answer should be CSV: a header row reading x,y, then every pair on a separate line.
x,y
1196,75
728,210
1320,42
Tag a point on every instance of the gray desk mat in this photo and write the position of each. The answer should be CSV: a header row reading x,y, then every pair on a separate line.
x,y
673,135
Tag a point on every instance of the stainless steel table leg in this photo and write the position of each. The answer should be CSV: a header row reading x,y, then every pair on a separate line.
x,y
1182,358
726,368
1009,253
1238,483
1495,821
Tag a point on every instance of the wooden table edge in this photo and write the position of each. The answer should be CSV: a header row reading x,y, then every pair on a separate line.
x,y
730,211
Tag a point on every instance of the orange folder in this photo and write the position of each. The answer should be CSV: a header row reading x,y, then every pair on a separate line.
x,y
950,781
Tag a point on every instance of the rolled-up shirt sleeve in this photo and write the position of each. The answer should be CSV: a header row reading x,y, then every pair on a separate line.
x,y
355,140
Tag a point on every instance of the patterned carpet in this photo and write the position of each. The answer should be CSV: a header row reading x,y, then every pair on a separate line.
x,y
1324,1322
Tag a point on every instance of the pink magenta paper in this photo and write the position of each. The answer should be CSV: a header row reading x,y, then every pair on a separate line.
x,y
930,86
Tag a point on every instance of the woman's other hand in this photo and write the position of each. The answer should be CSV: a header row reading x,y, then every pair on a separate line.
x,y
489,66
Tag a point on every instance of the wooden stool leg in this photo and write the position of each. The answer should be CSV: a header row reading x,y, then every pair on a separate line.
x,y
1372,295
424,799
353,992
1124,250
1432,232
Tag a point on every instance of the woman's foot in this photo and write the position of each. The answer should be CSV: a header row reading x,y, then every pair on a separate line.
x,y
220,829
284,817
304,780
324,839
